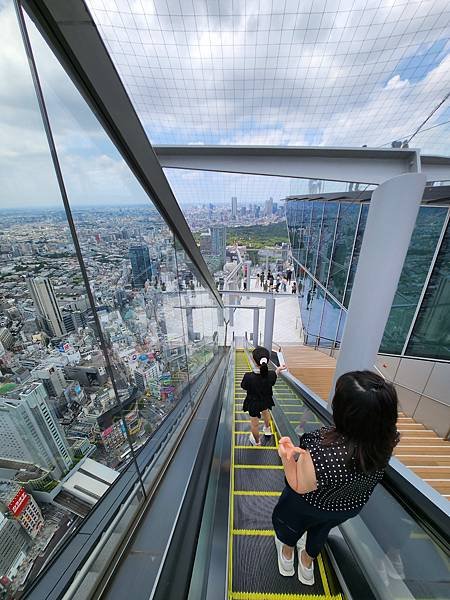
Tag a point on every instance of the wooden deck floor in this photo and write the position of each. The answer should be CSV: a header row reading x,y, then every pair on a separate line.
x,y
420,449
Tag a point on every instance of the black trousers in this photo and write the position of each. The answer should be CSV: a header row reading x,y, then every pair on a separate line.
x,y
293,515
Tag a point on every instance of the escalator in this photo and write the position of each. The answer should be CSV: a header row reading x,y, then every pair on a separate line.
x,y
257,478
397,547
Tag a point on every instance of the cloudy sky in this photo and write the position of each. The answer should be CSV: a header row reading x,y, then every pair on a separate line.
x,y
285,72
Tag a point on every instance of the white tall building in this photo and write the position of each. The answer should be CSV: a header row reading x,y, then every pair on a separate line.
x,y
30,433
22,506
268,208
234,207
46,305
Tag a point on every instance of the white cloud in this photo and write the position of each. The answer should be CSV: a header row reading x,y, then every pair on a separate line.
x,y
281,73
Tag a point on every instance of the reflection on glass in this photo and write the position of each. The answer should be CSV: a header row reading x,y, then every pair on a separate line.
x,y
326,241
343,246
417,262
330,321
314,304
341,326
316,220
356,251
303,232
431,333
294,218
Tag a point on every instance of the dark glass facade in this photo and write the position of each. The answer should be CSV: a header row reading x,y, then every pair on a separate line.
x,y
326,240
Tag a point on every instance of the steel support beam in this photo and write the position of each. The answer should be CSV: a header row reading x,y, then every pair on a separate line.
x,y
359,165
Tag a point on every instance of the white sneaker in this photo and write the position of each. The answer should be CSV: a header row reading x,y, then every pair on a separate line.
x,y
267,431
301,543
253,442
285,566
305,575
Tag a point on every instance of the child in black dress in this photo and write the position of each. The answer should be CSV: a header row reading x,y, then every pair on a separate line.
x,y
259,394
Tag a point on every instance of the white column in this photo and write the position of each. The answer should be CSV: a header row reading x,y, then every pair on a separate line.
x,y
268,322
255,326
390,223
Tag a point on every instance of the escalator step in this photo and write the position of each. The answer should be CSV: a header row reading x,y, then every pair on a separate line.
x,y
256,456
253,512
255,569
241,439
271,480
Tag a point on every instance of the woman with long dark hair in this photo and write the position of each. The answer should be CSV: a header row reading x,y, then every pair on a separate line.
x,y
336,471
259,399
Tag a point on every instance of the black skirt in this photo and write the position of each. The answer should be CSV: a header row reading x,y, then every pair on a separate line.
x,y
254,406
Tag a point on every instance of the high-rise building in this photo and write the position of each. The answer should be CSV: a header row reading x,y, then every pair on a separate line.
x,y
234,207
268,207
30,433
53,379
22,506
13,545
6,338
219,241
46,305
140,265
205,243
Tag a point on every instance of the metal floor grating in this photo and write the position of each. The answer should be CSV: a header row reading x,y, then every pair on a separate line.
x,y
256,483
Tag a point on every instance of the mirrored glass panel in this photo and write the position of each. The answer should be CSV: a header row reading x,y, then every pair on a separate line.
x,y
415,269
343,247
431,333
330,320
326,241
356,251
315,229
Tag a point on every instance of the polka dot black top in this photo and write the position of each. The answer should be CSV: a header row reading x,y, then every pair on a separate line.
x,y
339,487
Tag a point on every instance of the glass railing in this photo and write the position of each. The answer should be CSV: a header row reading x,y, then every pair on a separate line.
x,y
107,328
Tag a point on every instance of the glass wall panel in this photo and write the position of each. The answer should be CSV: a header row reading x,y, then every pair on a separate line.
x,y
431,333
315,312
343,246
342,320
53,377
132,315
294,218
130,259
417,262
305,292
326,241
356,251
304,233
316,220
330,321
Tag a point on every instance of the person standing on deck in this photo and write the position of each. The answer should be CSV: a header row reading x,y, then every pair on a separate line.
x,y
259,399
336,471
